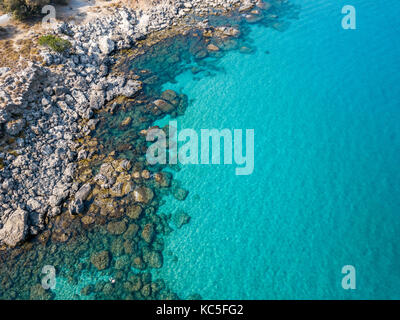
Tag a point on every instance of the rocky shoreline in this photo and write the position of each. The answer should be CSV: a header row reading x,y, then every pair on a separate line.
x,y
45,109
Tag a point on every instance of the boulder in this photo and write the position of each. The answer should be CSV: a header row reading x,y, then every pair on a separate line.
x,y
143,194
246,6
122,165
163,105
14,127
180,218
83,192
76,207
15,228
106,45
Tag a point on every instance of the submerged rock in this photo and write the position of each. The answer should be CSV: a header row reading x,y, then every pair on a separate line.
x,y
138,263
247,6
253,18
145,174
146,290
14,127
246,50
117,247
164,106
153,259
126,122
212,47
148,233
76,207
87,220
134,283
83,192
194,296
37,292
134,212
131,231
180,218
143,194
180,194
170,96
100,260
163,179
117,227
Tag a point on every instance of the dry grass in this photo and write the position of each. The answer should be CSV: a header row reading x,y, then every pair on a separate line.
x,y
16,43
11,51
140,4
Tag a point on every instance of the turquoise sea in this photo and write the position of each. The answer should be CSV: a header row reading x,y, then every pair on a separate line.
x,y
325,192
324,104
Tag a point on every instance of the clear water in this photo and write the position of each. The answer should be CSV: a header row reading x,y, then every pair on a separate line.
x,y
325,192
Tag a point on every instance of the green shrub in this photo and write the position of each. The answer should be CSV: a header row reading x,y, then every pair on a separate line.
x,y
55,43
22,9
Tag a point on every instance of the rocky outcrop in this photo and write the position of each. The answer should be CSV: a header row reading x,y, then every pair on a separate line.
x,y
46,109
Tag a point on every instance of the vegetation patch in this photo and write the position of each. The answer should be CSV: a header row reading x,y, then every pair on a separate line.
x,y
55,43
21,9
24,9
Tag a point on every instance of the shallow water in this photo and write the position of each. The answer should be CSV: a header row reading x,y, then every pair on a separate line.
x,y
325,192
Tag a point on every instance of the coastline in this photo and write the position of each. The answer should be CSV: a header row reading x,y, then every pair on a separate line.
x,y
40,154
127,229
74,196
